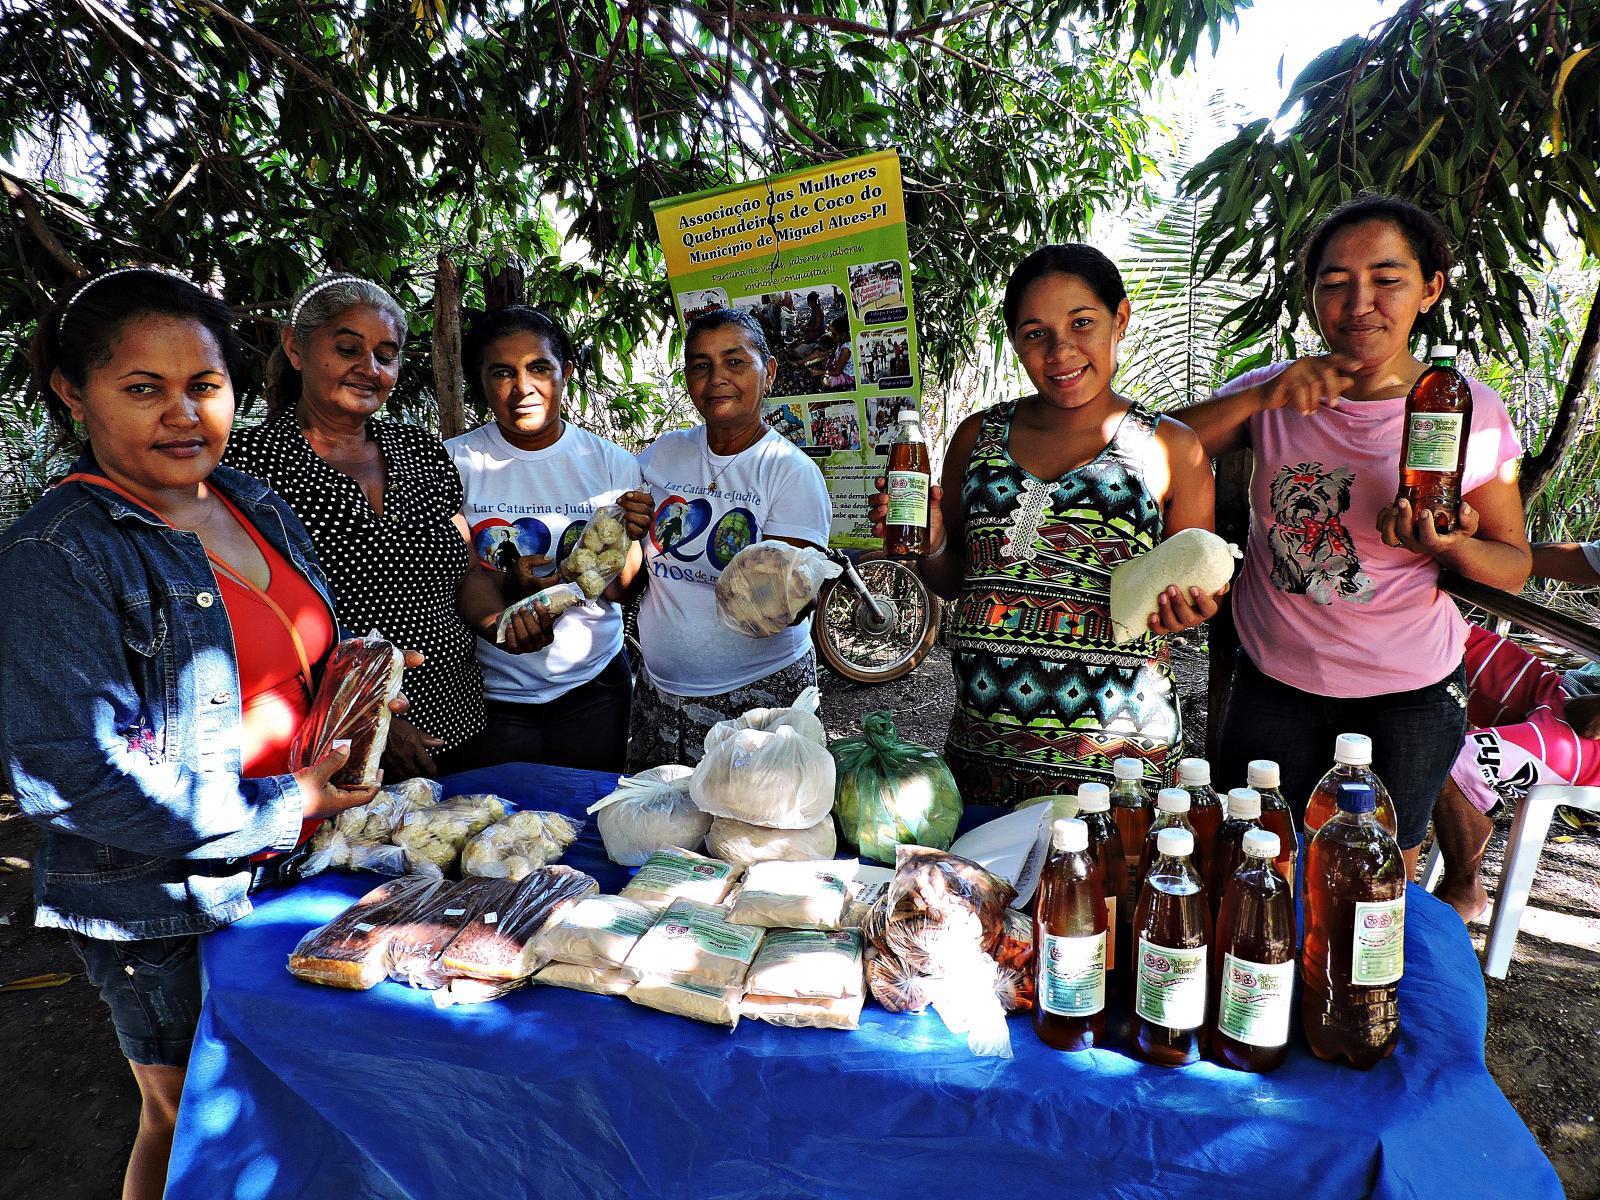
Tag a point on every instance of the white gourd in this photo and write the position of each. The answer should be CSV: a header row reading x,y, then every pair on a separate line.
x,y
1189,558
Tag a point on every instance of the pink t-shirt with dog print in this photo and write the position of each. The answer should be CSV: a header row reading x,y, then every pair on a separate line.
x,y
1321,603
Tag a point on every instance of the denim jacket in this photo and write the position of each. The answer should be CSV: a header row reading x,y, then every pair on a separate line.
x,y
120,722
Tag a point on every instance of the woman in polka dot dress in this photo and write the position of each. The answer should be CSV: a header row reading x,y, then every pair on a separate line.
x,y
379,498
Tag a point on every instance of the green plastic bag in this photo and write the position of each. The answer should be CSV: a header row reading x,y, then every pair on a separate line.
x,y
892,792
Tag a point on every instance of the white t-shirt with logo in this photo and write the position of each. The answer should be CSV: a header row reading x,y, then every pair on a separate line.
x,y
538,502
708,508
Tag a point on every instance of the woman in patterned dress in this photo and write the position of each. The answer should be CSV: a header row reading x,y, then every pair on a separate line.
x,y
1042,496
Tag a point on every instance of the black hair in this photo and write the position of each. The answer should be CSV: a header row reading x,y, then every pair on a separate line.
x,y
494,325
1424,233
1084,262
80,330
316,304
721,318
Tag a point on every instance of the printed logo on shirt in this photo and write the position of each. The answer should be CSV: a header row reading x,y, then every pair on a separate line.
x,y
1313,554
684,530
498,543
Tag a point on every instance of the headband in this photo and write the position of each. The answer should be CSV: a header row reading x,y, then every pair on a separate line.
x,y
294,313
61,320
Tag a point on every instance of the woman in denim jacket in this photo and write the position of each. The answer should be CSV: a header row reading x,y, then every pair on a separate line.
x,y
147,687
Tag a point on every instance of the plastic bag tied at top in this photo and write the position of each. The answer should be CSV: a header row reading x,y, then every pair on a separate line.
x,y
892,792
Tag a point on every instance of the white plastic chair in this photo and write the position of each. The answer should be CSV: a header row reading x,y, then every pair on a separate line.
x,y
1529,828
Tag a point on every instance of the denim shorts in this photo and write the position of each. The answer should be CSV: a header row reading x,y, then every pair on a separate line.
x,y
153,990
1416,736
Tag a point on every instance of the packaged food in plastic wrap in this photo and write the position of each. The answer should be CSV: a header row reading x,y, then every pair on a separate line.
x,y
793,895
767,585
768,772
717,1006
360,838
1017,990
351,951
352,701
892,792
557,598
473,991
598,557
516,844
415,947
433,837
742,843
671,874
897,987
807,964
600,931
696,943
842,1012
867,888
1015,949
650,811
599,981
505,942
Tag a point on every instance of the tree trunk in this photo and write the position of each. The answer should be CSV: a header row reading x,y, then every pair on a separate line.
x,y
1538,468
447,380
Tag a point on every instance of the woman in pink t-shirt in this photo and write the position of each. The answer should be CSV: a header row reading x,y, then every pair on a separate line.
x,y
1339,613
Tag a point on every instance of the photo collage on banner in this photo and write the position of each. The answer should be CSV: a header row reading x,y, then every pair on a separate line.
x,y
819,258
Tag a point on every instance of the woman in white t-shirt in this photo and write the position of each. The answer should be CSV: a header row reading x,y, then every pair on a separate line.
x,y
716,489
556,691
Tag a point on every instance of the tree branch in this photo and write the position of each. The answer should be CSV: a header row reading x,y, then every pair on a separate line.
x,y
1538,468
20,199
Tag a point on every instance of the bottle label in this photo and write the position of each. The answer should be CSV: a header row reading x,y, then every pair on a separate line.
x,y
1073,982
1111,932
1380,942
908,499
1435,442
1171,990
1254,1001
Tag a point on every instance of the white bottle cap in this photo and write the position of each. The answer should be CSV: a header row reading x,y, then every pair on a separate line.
x,y
1094,797
1175,843
1174,800
1127,768
1194,771
1262,773
908,415
1244,804
1070,835
1261,843
1353,750
1442,350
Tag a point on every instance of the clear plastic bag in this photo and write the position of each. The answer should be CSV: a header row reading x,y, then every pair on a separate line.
x,y
598,557
351,951
414,948
650,811
513,847
767,768
432,838
767,585
738,842
360,838
892,792
557,598
505,943
352,701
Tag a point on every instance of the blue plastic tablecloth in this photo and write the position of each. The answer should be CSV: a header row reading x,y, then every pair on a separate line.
x,y
296,1090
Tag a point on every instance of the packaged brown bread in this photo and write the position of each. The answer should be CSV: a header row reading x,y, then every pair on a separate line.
x,y
415,948
351,951
352,701
504,942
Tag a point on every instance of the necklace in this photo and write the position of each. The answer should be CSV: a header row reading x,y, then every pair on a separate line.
x,y
716,472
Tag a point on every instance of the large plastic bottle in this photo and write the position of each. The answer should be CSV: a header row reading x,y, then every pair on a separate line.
x,y
1133,809
1072,939
1433,446
1354,951
1254,990
1172,932
1352,763
1172,812
1227,852
1105,843
1263,775
1205,809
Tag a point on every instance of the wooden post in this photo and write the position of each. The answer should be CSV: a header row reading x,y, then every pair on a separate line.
x,y
447,380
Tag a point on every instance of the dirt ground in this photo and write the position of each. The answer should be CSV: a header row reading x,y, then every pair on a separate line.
x,y
68,1107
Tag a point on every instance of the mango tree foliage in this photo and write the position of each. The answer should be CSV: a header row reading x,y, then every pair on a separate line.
x,y
256,143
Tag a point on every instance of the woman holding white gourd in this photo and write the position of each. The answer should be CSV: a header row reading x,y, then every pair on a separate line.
x,y
1041,497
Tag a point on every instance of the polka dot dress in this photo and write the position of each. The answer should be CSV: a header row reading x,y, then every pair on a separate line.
x,y
396,572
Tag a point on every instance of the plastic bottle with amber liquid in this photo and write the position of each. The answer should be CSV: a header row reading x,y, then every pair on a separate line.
x,y
1252,994
1355,923
1263,775
1205,809
1133,810
1433,447
1172,812
1105,843
1227,851
1172,940
1071,939
905,530
1352,763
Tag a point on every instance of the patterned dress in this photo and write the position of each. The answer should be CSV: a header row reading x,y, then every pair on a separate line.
x,y
1044,699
